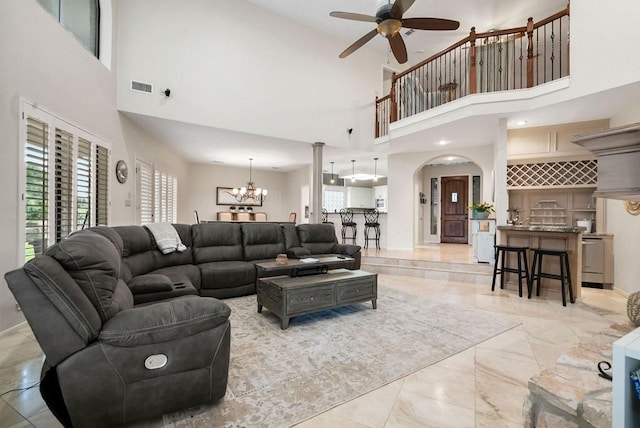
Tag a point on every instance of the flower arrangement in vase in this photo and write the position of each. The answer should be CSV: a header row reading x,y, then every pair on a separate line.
x,y
481,210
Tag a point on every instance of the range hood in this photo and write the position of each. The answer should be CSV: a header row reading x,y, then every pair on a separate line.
x,y
618,154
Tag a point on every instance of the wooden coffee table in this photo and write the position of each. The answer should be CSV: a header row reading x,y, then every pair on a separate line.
x,y
290,297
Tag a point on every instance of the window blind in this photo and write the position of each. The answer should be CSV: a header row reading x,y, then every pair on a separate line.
x,y
166,197
84,186
145,192
102,186
66,180
37,187
63,184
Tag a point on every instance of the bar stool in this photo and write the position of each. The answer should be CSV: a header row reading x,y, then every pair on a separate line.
x,y
346,216
325,216
371,222
521,255
565,272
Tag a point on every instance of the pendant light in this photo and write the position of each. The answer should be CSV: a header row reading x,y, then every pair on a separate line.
x,y
353,170
375,169
332,179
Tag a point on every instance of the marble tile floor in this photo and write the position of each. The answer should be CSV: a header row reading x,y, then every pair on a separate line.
x,y
483,386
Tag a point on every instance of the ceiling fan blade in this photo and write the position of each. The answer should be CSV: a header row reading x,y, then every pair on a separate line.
x,y
430,24
359,43
353,16
398,48
400,7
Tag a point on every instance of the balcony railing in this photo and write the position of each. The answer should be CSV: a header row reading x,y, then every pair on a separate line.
x,y
503,60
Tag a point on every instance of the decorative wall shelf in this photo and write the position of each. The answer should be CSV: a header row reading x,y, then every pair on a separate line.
x,y
547,212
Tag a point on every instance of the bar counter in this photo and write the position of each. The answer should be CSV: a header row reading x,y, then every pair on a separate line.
x,y
565,238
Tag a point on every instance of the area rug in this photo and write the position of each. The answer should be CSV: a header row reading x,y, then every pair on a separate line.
x,y
278,378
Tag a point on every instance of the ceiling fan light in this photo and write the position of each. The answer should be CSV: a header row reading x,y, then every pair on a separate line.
x,y
389,27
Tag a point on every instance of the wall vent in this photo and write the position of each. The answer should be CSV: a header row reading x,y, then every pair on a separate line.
x,y
136,86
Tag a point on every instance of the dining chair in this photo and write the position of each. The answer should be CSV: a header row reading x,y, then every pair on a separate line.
x,y
225,216
244,216
195,217
260,216
292,217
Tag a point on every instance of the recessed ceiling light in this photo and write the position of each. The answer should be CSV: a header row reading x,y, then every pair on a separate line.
x,y
217,161
451,158
442,142
420,51
275,167
521,122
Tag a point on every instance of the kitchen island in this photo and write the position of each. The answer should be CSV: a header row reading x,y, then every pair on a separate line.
x,y
551,238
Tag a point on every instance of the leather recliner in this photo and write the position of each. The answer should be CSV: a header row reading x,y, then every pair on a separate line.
x,y
109,362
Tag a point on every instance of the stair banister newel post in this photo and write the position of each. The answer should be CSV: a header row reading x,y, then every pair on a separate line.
x,y
472,60
377,120
394,103
530,62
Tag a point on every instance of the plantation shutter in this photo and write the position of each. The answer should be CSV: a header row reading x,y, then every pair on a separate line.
x,y
37,187
145,192
166,197
63,184
66,180
83,188
102,186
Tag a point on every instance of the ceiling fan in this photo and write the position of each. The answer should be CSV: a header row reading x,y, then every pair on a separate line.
x,y
389,23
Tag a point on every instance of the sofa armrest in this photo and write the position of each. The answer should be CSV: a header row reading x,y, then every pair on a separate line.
x,y
164,321
298,252
347,249
150,283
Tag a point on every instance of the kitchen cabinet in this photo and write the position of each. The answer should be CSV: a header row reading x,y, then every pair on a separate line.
x,y
597,259
551,141
484,240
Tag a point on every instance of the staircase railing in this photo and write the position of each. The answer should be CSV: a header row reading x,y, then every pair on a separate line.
x,y
503,60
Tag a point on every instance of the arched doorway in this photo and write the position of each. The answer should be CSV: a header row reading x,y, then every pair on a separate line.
x,y
440,218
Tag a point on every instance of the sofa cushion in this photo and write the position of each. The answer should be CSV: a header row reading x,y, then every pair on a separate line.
x,y
318,238
137,251
262,241
164,321
216,242
290,235
72,304
94,263
227,274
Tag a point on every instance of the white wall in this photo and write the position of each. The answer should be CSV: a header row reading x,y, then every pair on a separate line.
x,y
624,226
63,78
405,181
232,65
40,61
607,32
142,146
203,180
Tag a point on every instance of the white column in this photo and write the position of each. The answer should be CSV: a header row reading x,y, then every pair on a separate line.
x,y
316,188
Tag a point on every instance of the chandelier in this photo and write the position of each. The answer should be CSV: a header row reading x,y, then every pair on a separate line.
x,y
250,191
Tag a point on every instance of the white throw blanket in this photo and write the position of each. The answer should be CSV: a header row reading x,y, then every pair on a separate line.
x,y
166,236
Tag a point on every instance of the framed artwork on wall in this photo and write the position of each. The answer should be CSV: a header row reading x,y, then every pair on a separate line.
x,y
225,196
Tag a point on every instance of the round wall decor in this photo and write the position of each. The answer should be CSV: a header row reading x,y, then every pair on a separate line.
x,y
122,171
633,208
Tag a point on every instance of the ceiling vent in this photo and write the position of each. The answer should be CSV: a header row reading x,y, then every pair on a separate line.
x,y
136,86
410,32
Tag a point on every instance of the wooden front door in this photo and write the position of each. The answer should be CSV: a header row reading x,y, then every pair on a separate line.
x,y
455,214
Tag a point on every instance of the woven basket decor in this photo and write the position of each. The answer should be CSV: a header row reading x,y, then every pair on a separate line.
x,y
633,308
